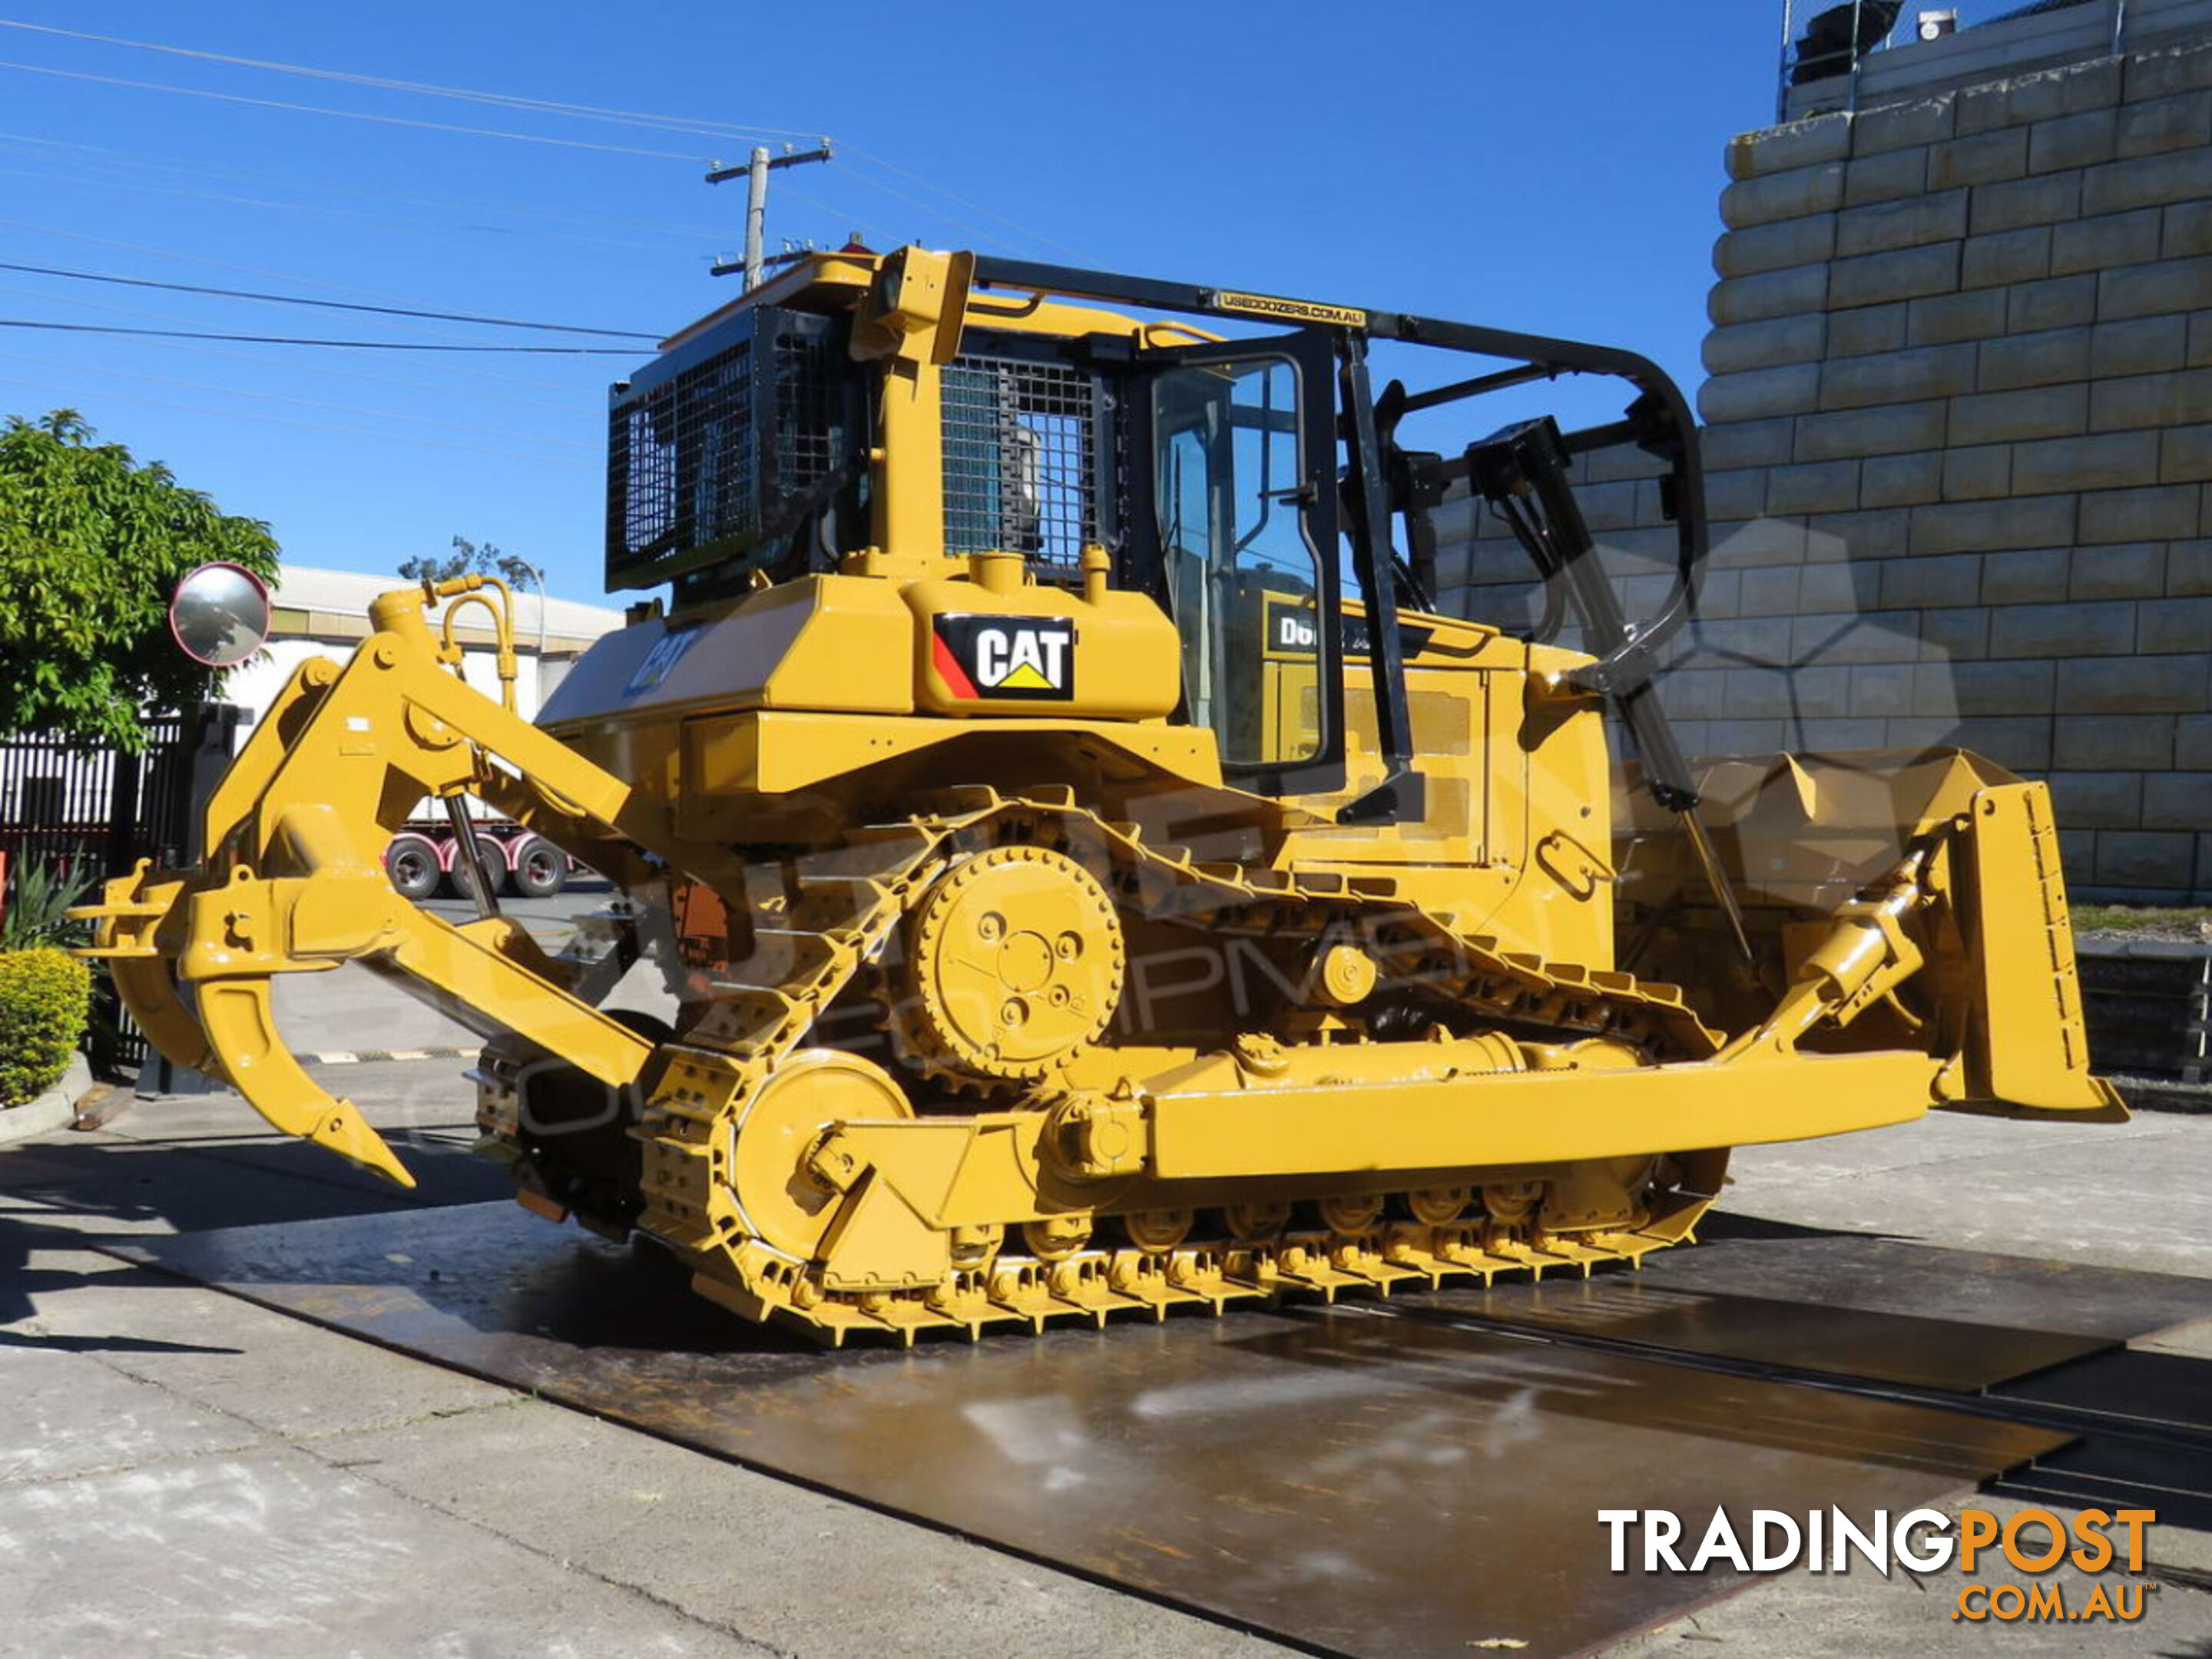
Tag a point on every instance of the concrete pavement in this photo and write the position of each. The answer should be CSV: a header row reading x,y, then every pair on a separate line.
x,y
2121,1195
182,1471
223,1480
52,1109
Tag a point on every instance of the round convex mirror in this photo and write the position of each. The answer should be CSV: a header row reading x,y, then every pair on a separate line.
x,y
220,615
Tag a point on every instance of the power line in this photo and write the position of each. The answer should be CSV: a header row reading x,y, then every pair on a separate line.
x,y
686,125
289,339
399,121
897,195
323,184
350,114
499,100
293,423
153,251
481,387
913,177
325,305
192,259
416,222
54,143
303,402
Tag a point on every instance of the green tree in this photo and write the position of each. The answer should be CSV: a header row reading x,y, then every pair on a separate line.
x,y
92,543
471,558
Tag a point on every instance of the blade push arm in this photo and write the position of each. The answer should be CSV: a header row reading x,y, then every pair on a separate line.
x,y
1522,472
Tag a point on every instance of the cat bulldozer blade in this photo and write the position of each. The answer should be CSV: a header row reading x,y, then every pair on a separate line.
x,y
1091,872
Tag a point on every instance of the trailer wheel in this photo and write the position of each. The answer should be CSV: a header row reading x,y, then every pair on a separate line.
x,y
540,869
411,861
493,857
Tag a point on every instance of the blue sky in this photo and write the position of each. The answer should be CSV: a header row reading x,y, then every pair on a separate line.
x,y
1547,167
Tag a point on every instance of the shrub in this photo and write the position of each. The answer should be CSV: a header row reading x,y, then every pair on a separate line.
x,y
39,894
43,997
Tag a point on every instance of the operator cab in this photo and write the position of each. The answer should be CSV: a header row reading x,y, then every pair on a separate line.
x,y
902,414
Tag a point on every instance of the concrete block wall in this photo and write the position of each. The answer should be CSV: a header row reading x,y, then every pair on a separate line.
x,y
1960,454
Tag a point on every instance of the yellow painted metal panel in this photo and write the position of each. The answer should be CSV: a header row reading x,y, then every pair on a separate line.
x,y
1534,1117
2034,1048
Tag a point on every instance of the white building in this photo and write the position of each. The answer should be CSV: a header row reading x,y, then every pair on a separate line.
x,y
324,613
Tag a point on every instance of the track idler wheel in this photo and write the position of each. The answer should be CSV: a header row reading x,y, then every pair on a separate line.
x,y
1598,1193
778,1202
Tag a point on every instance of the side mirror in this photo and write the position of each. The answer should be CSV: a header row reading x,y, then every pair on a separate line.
x,y
219,615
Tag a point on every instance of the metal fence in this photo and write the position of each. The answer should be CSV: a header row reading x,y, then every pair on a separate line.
x,y
89,810
2149,1007
1849,54
94,812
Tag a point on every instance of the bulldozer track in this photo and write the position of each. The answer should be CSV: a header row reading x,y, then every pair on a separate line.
x,y
835,913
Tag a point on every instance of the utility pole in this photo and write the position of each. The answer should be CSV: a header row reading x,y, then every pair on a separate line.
x,y
755,173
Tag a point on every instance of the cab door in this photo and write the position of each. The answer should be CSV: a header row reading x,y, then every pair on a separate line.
x,y
1234,523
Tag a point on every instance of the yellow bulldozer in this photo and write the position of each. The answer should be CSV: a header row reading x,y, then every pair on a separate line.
x,y
1090,870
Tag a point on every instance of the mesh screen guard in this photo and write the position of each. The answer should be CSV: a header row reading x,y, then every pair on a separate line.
x,y
1023,460
712,450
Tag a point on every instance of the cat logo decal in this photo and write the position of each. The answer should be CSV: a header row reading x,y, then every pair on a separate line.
x,y
988,658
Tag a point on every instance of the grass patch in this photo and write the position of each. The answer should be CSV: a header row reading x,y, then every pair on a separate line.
x,y
2149,921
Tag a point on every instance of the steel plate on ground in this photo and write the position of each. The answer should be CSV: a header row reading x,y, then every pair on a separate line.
x,y
1848,1342
2115,1472
2168,1390
1741,1256
1348,1482
1874,1308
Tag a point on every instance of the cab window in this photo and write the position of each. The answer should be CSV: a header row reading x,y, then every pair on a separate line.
x,y
1242,575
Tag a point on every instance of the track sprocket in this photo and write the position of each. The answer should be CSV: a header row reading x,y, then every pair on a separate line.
x,y
1014,960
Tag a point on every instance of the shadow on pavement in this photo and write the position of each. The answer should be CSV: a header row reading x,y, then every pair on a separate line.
x,y
98,1191
19,1280
233,1182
